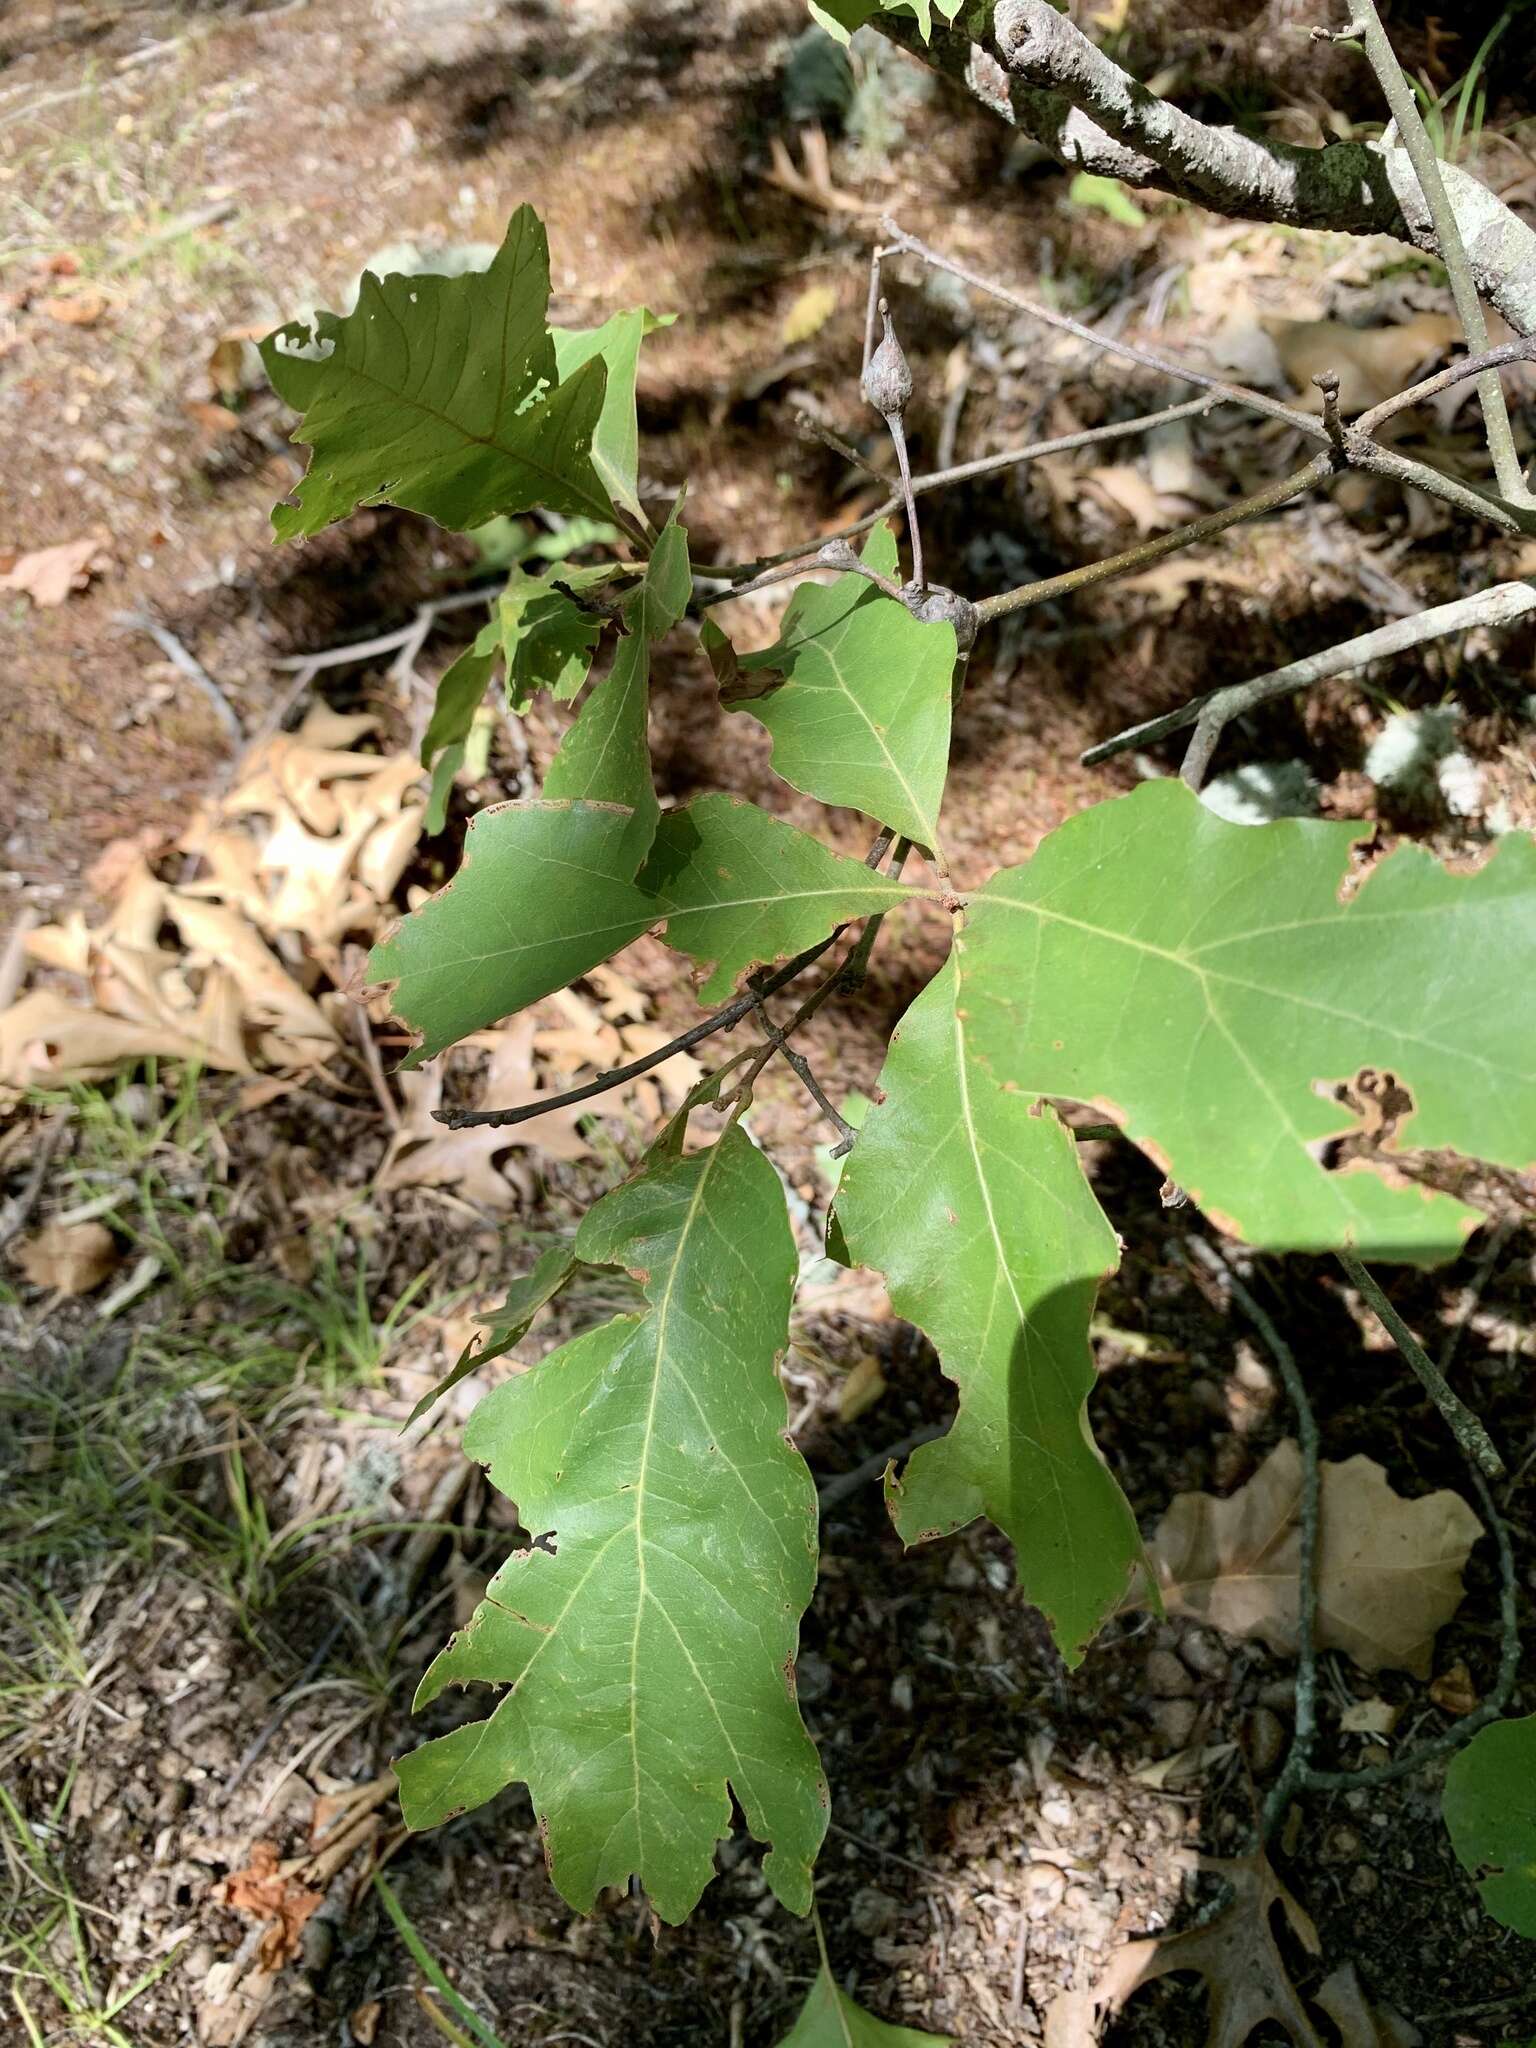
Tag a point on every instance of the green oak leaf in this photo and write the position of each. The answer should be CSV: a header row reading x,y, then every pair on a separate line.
x,y
1489,1805
547,639
444,770
460,692
841,17
442,395
739,887
507,1325
1202,983
831,2019
649,1652
856,693
606,755
544,893
616,444
969,1197
538,634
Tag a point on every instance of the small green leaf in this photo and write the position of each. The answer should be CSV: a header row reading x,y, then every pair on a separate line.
x,y
547,640
841,17
459,694
649,1649
441,394
507,1325
1490,1809
606,755
616,445
543,894
861,715
1205,985
444,770
740,888
663,597
970,1198
1106,195
831,2019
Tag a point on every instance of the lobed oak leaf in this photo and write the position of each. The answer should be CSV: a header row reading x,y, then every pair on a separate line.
x,y
1388,1569
70,1258
49,575
1235,1952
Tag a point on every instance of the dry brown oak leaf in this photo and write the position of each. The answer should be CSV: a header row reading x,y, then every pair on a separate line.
x,y
1238,1955
1388,1569
265,1891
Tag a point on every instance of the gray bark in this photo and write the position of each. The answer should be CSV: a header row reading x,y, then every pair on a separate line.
x,y
1049,80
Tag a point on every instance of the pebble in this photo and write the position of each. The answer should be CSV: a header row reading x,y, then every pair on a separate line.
x,y
1204,1655
1167,1679
872,1910
1175,1720
1264,1740
1364,1881
1044,1889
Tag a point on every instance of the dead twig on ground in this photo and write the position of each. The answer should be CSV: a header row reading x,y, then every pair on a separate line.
x,y
1475,1442
1499,605
190,667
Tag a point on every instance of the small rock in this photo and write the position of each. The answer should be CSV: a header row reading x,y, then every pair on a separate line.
x,y
1174,1721
1341,1844
1453,1691
902,1694
872,1911
1264,1740
1204,1655
1364,1881
1044,1889
1167,1679
175,1797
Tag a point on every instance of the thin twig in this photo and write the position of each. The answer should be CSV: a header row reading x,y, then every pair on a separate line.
x,y
1239,394
938,480
1298,1774
14,1215
722,1020
1483,1273
1298,1762
1269,499
1466,1427
1521,350
1426,166
814,430
778,1041
1497,606
725,1019
189,665
846,977
1490,1709
402,636
1362,451
837,1490
375,1065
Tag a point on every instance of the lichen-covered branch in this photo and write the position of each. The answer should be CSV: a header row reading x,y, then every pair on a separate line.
x,y
1047,78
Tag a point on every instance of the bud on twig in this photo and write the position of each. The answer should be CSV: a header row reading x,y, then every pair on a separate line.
x,y
888,379
888,386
